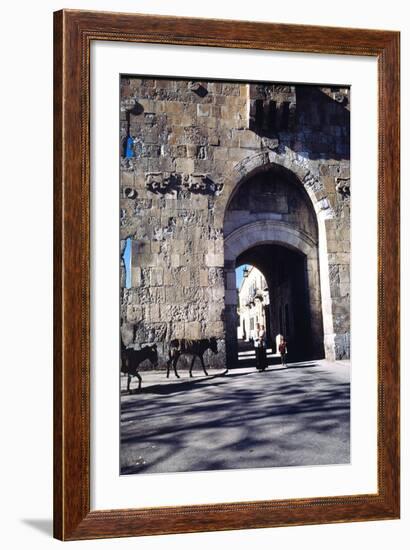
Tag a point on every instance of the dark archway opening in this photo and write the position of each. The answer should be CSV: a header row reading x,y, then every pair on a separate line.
x,y
270,223
283,305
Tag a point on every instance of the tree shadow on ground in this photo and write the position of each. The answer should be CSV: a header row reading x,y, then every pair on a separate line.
x,y
238,421
174,385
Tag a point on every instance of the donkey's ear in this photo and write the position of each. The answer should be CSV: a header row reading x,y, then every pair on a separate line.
x,y
154,346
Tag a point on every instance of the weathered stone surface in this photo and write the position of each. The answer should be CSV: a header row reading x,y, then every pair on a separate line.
x,y
214,260
193,330
203,278
195,143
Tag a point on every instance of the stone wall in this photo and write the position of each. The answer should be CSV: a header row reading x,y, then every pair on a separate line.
x,y
185,147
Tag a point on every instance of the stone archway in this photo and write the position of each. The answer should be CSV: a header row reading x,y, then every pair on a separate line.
x,y
291,162
262,233
243,233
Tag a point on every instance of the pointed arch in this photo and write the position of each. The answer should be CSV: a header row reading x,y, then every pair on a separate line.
x,y
238,238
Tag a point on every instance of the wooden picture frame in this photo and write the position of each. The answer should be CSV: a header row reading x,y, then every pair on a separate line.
x,y
74,32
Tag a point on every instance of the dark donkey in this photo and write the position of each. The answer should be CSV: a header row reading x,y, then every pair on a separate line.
x,y
196,348
131,359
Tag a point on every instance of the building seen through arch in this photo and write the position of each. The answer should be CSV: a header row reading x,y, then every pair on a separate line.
x,y
275,295
253,304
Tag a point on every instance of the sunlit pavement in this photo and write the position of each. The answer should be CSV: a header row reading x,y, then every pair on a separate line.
x,y
293,416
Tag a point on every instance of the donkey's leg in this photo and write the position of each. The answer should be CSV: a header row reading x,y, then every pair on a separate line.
x,y
177,356
128,383
137,374
169,365
203,364
192,365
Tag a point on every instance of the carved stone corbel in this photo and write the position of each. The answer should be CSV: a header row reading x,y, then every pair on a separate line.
x,y
343,187
159,182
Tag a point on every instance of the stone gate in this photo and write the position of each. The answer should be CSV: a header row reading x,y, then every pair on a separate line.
x,y
211,170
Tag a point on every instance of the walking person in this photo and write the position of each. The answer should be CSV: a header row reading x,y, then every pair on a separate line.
x,y
262,337
260,349
283,350
257,346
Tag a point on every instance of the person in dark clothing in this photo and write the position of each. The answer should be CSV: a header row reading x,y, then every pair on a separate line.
x,y
283,350
262,337
260,348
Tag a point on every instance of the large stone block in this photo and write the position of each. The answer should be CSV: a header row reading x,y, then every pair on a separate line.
x,y
344,273
157,294
344,289
185,277
176,260
134,313
157,276
203,277
153,315
127,333
215,329
339,258
175,294
199,202
177,246
221,156
210,122
177,330
215,312
249,140
174,107
168,277
214,260
193,330
216,280
136,277
185,165
217,292
203,110
155,247
166,312
219,246
176,135
148,260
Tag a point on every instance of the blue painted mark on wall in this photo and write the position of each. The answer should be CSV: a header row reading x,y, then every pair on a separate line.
x,y
129,147
127,262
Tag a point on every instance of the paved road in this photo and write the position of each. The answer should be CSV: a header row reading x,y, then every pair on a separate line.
x,y
299,415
